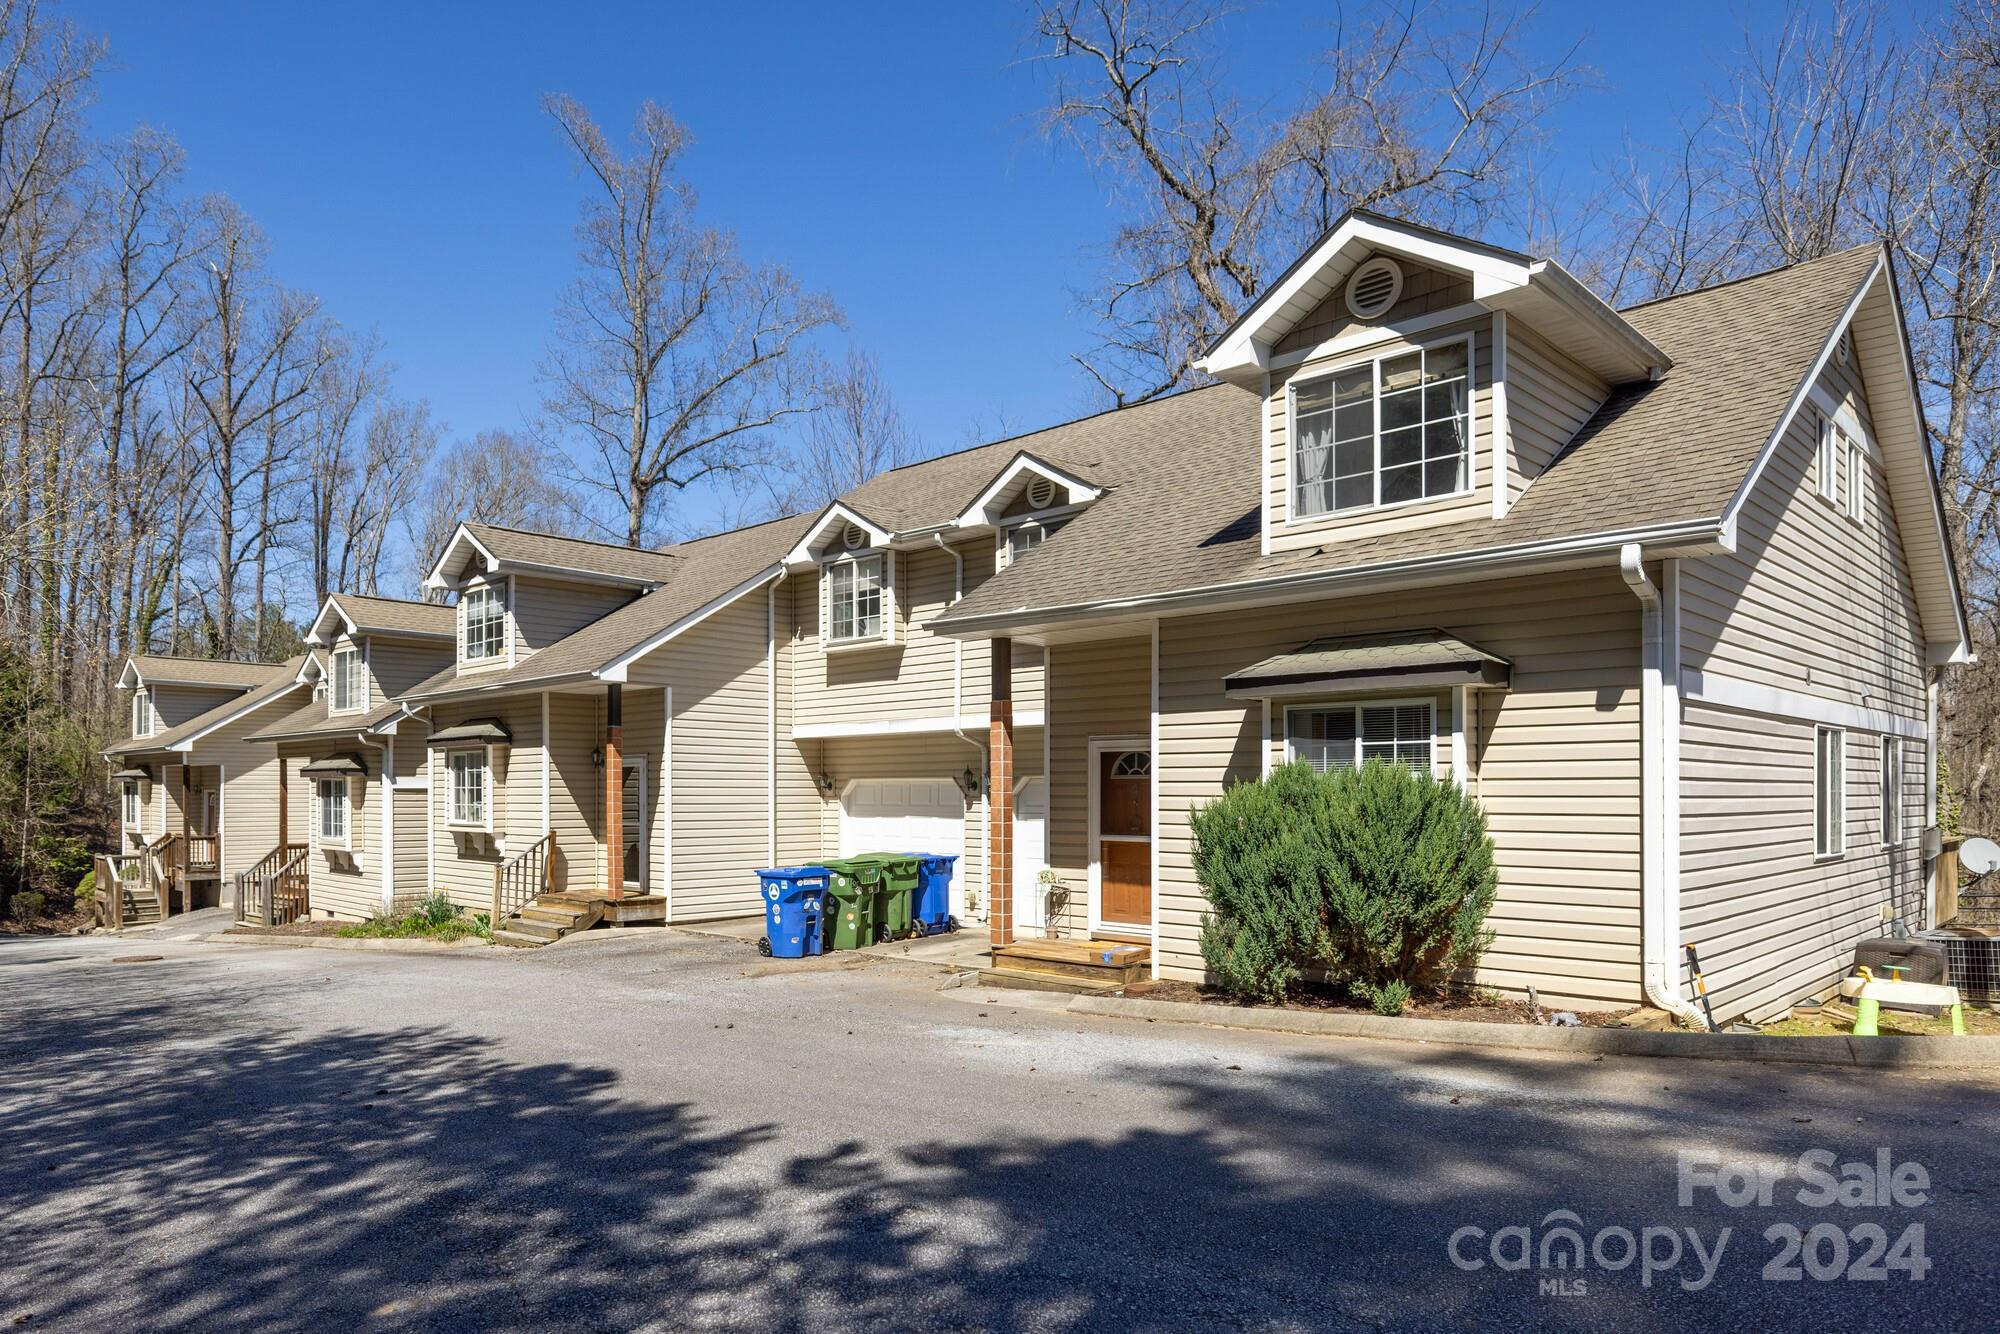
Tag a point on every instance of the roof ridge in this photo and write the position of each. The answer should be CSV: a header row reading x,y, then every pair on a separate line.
x,y
564,537
185,657
1751,277
377,597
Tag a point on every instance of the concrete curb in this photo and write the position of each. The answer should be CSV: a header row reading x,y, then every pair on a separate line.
x,y
389,946
1873,1053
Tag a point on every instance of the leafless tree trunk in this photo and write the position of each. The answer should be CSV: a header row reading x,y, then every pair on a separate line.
x,y
856,434
673,355
497,477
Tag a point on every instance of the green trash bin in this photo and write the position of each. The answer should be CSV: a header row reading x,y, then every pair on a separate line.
x,y
855,884
902,880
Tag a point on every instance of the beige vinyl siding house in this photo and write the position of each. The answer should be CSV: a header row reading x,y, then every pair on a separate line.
x,y
1097,691
1549,398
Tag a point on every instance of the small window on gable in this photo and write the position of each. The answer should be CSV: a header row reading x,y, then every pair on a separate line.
x,y
483,624
1857,480
348,681
1386,432
142,713
1349,735
854,599
1829,792
1892,791
1025,537
1829,463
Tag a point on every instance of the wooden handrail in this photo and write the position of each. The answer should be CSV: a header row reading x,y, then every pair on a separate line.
x,y
204,851
276,891
519,880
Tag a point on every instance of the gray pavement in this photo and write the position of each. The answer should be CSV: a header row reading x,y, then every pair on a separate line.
x,y
662,1130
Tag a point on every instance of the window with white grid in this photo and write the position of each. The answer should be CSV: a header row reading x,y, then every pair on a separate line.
x,y
854,599
1387,432
468,787
333,811
131,804
483,618
1829,792
347,680
142,713
1344,736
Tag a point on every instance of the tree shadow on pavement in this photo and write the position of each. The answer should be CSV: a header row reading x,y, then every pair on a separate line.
x,y
155,1178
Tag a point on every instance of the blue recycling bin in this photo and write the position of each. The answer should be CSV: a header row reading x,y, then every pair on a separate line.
x,y
794,910
933,909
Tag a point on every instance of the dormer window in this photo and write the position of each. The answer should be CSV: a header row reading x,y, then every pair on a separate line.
x,y
348,682
1025,537
483,624
854,599
142,713
1390,431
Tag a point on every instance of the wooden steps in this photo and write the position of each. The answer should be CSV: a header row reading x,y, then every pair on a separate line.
x,y
1084,967
548,919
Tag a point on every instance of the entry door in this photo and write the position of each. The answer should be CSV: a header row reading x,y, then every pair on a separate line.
x,y
1124,837
1031,822
634,821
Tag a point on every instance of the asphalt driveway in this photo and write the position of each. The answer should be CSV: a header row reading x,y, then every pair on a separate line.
x,y
663,1130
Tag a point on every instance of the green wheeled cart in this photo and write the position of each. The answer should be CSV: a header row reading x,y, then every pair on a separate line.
x,y
855,885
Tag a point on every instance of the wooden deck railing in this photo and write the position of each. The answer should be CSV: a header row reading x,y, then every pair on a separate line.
x,y
274,892
120,878
519,880
204,852
164,872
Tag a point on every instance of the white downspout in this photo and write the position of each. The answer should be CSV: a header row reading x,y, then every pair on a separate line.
x,y
771,715
958,716
387,769
1659,915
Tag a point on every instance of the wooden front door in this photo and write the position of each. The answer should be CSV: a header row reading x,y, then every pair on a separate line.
x,y
1125,837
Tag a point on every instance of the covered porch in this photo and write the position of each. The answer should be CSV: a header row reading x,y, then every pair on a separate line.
x,y
170,860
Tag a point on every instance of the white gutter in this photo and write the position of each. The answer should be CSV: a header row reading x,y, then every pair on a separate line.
x,y
958,713
1659,890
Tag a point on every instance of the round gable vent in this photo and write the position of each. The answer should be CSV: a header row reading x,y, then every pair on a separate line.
x,y
1374,287
853,538
1041,492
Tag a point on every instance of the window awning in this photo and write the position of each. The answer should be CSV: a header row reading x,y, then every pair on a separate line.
x,y
336,766
1408,659
473,731
144,775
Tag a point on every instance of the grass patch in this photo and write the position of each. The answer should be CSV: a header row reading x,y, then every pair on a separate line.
x,y
1894,1023
434,918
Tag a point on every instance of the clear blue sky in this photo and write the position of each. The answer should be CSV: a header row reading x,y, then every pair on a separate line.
x,y
396,155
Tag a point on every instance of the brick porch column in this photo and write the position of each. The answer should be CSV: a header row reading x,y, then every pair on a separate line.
x,y
614,790
1000,796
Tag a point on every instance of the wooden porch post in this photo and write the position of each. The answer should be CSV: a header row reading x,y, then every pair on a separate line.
x,y
1000,796
180,875
284,801
614,790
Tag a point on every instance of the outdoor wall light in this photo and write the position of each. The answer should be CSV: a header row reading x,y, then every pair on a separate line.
x,y
825,782
970,782
597,757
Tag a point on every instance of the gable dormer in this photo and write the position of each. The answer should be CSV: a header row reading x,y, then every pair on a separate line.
x,y
854,560
1413,379
1026,503
519,592
371,649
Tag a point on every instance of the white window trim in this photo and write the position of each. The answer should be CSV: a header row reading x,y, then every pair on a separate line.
x,y
1829,461
346,840
1361,702
333,704
1838,825
1003,533
1470,339
1857,511
143,698
131,808
827,643
1892,792
484,824
504,591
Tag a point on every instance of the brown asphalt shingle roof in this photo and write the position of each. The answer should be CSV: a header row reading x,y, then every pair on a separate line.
x,y
705,569
280,679
575,553
1184,512
159,669
313,720
397,616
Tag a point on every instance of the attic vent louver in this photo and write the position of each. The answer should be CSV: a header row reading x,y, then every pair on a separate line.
x,y
1374,288
1041,493
853,538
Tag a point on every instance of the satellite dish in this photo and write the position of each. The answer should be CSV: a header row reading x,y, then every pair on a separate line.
x,y
1979,855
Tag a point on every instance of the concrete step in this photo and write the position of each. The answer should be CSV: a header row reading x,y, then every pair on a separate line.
x,y
1020,979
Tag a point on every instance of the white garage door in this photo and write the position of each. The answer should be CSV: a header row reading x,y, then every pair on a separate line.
x,y
903,815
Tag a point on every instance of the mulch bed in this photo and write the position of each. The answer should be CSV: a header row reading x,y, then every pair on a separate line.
x,y
1326,999
324,927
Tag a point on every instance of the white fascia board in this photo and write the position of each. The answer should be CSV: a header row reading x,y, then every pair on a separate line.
x,y
1678,537
186,743
837,512
618,667
313,635
940,724
1079,491
437,577
1247,346
131,678
1586,305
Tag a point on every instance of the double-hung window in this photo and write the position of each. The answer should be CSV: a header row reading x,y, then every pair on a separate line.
x,y
483,613
468,788
347,680
142,713
333,811
131,797
1857,475
1391,431
1829,792
1892,791
854,599
1343,736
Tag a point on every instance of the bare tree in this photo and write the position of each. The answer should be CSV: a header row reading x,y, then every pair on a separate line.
x,y
351,379
856,434
1419,116
397,448
673,354
496,477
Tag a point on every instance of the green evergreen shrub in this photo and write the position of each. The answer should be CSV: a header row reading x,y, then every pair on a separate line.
x,y
27,905
1380,877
